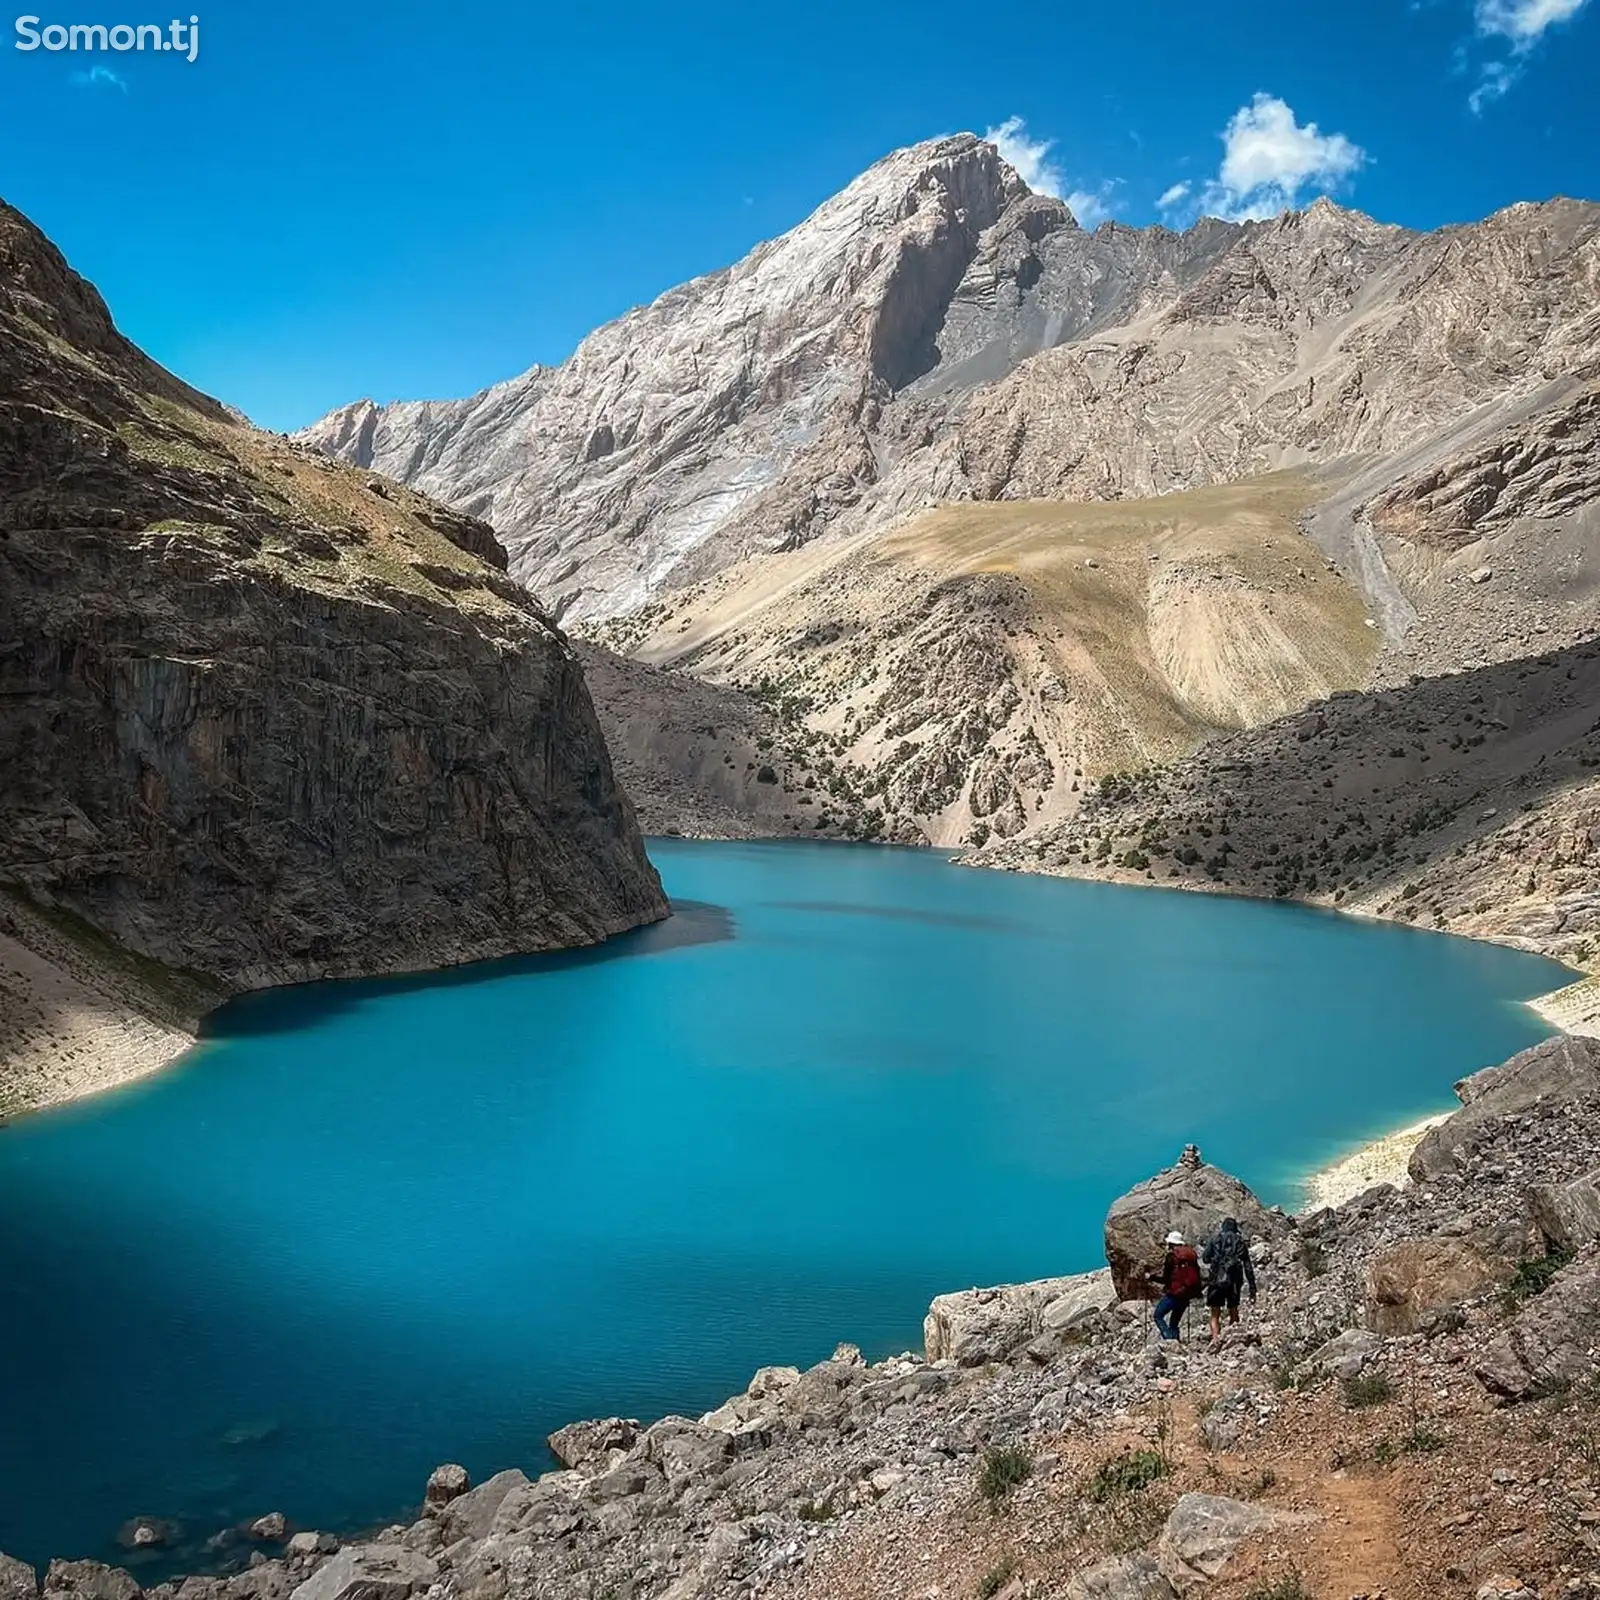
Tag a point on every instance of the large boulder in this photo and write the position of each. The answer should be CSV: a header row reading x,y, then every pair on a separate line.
x,y
975,1326
1567,1215
1559,1069
370,1572
686,1450
760,1406
589,1444
1203,1532
1346,1355
471,1515
18,1581
1135,1577
271,1580
445,1484
823,1395
89,1580
1417,1277
485,1569
1191,1197
549,1508
1553,1340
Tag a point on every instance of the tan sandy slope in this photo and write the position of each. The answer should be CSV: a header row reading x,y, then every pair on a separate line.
x,y
974,668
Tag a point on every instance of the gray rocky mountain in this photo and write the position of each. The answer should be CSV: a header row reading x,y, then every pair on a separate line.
x,y
262,717
935,332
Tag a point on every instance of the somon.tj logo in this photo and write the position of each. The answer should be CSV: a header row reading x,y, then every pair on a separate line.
x,y
175,37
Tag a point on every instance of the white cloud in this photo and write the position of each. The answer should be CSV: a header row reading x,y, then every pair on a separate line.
x,y
1521,24
1524,21
1271,162
1091,209
1170,197
1030,157
1032,160
1498,76
99,78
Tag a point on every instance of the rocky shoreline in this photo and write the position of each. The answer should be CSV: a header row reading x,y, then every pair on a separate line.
x,y
1398,1375
1381,1160
77,1020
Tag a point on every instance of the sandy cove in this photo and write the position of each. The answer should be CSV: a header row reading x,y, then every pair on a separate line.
x,y
72,1025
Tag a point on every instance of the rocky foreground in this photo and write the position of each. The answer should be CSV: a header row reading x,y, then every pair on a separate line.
x,y
1412,1410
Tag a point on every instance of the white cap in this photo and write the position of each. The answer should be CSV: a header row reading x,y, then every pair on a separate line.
x,y
1174,1237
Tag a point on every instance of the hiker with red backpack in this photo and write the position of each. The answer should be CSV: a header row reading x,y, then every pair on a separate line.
x,y
1180,1283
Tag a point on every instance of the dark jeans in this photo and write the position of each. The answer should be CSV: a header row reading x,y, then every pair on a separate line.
x,y
1169,1313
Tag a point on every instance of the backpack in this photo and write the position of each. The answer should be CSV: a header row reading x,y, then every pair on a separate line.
x,y
1185,1276
1225,1253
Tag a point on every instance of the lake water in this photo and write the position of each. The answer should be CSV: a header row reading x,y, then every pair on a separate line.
x,y
369,1227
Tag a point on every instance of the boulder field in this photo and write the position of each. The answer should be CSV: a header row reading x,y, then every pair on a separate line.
x,y
1412,1410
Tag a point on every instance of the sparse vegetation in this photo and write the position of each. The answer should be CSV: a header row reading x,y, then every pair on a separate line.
x,y
1364,1389
1534,1276
1126,1474
997,1577
1003,1467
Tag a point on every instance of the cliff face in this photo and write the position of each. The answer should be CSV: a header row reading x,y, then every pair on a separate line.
x,y
262,718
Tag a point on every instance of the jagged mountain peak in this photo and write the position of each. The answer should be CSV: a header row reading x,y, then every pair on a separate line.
x,y
937,331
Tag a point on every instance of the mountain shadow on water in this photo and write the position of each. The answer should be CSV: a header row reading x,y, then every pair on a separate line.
x,y
693,922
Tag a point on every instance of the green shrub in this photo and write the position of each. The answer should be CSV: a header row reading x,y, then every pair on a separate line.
x,y
1367,1389
997,1577
818,1511
1534,1276
1002,1469
1126,1474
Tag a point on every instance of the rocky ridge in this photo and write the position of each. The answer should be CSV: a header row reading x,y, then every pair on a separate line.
x,y
936,333
1412,1409
970,673
265,718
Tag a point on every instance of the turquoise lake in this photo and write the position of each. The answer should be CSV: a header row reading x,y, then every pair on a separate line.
x,y
365,1228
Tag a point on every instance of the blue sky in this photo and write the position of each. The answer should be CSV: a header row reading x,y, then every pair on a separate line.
x,y
415,201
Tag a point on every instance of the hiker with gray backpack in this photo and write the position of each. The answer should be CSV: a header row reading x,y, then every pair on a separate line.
x,y
1227,1257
